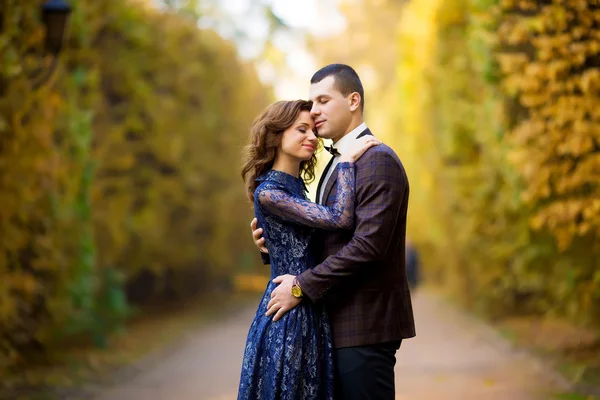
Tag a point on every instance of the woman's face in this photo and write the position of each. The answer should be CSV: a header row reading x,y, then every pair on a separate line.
x,y
299,140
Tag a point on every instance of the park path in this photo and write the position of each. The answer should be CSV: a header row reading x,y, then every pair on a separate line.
x,y
453,357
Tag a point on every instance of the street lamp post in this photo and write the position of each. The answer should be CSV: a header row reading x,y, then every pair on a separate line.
x,y
55,16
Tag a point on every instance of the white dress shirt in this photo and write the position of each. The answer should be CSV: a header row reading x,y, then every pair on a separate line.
x,y
341,146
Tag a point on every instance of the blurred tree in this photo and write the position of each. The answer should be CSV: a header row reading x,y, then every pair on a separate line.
x,y
119,181
482,90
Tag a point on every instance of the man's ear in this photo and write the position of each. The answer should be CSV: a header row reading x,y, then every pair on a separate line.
x,y
354,101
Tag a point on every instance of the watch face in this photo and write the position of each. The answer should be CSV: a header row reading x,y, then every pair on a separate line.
x,y
296,291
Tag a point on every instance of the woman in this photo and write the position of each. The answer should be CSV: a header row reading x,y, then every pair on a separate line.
x,y
291,358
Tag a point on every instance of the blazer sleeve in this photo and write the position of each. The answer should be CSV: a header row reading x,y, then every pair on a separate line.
x,y
380,187
266,259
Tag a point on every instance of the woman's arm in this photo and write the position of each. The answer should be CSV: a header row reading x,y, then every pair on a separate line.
x,y
307,213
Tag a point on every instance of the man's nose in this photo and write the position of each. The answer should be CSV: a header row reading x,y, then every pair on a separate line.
x,y
314,110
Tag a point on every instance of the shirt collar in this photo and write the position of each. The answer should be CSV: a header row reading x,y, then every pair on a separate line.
x,y
346,140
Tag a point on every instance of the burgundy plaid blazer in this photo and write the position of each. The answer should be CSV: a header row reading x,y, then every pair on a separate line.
x,y
361,275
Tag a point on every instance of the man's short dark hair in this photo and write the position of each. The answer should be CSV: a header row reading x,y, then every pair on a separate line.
x,y
346,80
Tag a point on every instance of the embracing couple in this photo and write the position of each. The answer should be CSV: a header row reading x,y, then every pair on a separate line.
x,y
338,304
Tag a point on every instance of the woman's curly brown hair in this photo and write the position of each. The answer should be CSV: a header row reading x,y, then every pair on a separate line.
x,y
265,136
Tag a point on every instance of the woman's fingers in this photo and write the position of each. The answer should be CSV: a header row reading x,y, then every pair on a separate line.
x,y
359,147
371,141
368,143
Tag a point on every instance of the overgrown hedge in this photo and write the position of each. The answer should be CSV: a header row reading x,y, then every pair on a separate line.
x,y
120,177
498,108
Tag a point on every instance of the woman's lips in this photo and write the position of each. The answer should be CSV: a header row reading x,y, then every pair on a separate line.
x,y
312,148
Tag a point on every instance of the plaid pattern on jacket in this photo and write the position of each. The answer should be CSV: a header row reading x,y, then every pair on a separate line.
x,y
361,275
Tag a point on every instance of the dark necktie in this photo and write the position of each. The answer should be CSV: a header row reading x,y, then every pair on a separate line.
x,y
334,152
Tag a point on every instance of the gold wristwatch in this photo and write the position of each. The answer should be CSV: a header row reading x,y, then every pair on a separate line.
x,y
296,289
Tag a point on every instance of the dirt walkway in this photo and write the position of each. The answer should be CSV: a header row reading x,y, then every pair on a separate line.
x,y
456,357
453,357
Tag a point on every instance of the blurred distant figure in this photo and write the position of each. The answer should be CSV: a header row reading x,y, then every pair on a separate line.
x,y
412,265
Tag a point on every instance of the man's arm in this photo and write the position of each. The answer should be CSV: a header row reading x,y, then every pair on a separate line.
x,y
380,189
266,258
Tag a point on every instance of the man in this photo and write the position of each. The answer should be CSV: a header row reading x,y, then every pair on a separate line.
x,y
361,277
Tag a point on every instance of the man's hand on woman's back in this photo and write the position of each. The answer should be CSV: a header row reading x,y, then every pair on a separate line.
x,y
259,241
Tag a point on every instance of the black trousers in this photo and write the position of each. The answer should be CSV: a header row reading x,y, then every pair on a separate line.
x,y
366,372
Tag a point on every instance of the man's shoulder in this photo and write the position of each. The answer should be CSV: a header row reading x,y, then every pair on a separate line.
x,y
381,153
380,165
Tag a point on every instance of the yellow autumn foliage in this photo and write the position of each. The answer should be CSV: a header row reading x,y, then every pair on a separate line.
x,y
560,136
498,107
119,179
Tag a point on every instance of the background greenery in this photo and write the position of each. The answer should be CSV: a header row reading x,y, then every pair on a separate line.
x,y
497,109
119,180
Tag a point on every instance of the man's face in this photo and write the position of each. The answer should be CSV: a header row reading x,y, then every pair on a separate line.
x,y
330,110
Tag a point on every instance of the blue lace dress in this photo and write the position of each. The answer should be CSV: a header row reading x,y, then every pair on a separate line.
x,y
291,359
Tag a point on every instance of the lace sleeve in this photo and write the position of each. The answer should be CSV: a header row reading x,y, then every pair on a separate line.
x,y
304,212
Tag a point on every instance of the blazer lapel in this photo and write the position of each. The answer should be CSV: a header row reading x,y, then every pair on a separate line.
x,y
333,178
364,133
320,185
